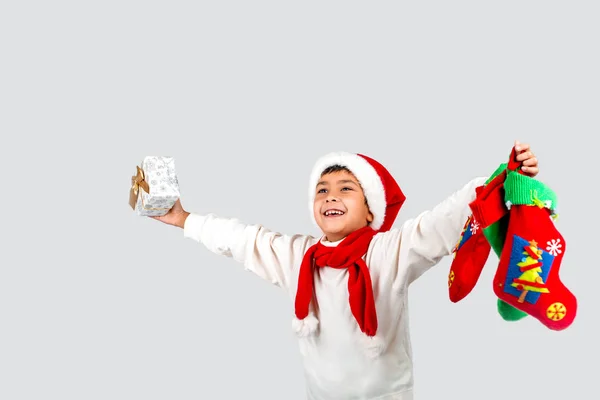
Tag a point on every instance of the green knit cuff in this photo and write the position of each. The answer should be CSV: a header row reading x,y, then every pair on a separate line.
x,y
520,189
497,172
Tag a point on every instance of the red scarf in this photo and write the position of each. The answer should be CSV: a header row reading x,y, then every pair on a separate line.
x,y
347,254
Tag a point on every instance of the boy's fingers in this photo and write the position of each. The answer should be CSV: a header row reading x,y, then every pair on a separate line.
x,y
530,161
530,170
521,147
524,156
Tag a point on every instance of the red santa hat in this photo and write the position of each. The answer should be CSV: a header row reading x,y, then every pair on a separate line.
x,y
381,190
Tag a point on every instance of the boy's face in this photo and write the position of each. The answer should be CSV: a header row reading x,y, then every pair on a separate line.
x,y
339,206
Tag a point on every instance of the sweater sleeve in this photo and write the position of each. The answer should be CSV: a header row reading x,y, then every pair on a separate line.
x,y
270,255
423,241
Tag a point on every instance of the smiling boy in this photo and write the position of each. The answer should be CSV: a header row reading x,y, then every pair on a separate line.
x,y
346,210
350,286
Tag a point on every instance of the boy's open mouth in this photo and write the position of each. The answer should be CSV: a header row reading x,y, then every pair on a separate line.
x,y
333,213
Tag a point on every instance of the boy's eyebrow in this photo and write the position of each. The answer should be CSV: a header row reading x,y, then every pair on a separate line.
x,y
340,181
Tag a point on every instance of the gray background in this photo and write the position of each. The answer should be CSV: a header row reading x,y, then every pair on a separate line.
x,y
97,303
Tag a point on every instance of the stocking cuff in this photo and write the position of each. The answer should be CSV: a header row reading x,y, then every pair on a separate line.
x,y
497,172
490,209
520,189
488,206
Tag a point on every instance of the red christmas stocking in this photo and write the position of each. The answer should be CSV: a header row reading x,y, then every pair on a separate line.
x,y
470,255
527,277
473,248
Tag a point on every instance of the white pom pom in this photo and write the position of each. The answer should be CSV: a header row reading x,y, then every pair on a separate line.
x,y
373,345
305,327
508,204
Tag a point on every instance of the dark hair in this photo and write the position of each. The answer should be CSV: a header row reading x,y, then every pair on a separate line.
x,y
335,168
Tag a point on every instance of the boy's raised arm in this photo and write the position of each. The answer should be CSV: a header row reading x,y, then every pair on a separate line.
x,y
271,255
423,241
434,233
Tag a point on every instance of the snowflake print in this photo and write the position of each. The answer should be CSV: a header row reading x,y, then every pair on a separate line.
x,y
554,247
474,227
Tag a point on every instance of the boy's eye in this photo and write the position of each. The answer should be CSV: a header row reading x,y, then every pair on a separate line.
x,y
325,190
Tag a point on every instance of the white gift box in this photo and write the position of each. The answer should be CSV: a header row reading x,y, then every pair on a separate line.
x,y
155,188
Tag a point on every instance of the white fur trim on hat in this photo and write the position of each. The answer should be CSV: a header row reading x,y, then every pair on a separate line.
x,y
367,176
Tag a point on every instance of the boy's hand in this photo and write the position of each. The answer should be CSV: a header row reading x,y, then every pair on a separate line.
x,y
176,215
527,158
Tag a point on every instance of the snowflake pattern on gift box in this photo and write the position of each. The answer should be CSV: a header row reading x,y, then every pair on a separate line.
x,y
164,187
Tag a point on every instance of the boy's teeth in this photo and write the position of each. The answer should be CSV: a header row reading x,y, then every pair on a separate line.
x,y
333,213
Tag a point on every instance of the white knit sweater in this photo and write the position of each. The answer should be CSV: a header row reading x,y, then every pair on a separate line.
x,y
335,365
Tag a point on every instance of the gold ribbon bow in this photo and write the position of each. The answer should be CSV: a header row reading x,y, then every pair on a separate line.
x,y
137,181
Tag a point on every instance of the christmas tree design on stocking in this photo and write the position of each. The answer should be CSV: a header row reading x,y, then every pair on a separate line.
x,y
532,276
527,277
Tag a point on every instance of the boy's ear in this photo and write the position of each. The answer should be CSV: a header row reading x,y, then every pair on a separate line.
x,y
370,217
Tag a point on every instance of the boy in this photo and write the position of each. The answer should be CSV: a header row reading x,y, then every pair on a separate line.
x,y
350,285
